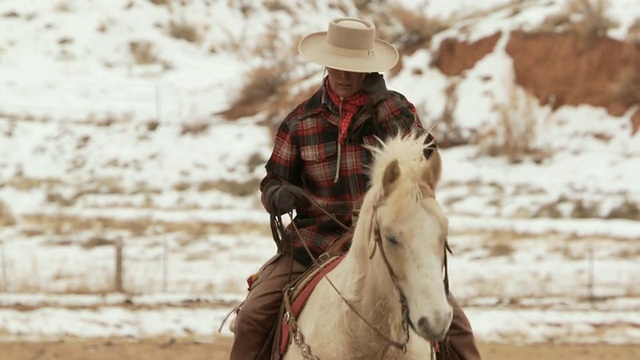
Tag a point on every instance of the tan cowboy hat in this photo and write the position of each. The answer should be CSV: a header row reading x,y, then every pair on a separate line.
x,y
349,45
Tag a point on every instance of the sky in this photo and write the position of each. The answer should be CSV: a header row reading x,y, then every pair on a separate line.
x,y
78,152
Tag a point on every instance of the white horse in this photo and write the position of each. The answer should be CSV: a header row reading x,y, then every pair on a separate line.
x,y
391,280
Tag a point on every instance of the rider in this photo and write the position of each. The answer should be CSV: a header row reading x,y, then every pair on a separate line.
x,y
318,153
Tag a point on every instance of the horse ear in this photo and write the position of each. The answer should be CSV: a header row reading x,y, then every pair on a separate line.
x,y
432,172
391,174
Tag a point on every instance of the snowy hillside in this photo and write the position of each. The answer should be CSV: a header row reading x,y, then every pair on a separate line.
x,y
114,127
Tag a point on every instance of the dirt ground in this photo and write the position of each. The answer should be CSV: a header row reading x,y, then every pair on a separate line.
x,y
218,349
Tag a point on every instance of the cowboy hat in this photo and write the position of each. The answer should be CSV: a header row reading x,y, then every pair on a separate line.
x,y
350,45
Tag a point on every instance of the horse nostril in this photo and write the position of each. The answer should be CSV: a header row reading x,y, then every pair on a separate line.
x,y
423,325
425,328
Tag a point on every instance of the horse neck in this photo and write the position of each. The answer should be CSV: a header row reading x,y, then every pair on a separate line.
x,y
369,289
372,305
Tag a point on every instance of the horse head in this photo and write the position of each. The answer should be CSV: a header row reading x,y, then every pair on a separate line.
x,y
408,231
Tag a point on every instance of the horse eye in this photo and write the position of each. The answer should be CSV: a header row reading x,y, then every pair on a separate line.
x,y
393,240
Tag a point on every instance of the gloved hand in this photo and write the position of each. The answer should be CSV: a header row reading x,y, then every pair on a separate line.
x,y
287,198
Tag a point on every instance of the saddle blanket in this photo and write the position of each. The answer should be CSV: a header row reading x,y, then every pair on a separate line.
x,y
300,293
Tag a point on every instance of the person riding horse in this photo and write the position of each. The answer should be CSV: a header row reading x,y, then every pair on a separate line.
x,y
318,154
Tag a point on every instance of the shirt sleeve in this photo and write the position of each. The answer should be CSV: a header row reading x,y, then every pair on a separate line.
x,y
283,166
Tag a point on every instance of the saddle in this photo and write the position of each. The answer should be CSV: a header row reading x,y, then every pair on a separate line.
x,y
295,297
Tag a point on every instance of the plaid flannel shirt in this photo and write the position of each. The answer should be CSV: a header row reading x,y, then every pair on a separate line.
x,y
306,152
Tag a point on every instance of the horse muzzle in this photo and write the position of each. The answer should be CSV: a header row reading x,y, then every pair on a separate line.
x,y
434,327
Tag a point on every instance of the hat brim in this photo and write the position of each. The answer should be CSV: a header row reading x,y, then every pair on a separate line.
x,y
314,48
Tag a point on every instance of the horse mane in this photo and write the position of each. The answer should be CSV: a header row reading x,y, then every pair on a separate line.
x,y
408,151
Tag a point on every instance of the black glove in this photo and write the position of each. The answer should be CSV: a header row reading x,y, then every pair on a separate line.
x,y
287,198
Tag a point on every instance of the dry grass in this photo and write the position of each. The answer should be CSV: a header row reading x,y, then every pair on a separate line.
x,y
499,250
417,29
97,242
517,133
585,18
104,119
633,34
143,52
152,125
276,110
627,88
22,183
409,30
445,128
635,122
579,209
550,210
230,286
185,31
81,284
194,128
62,224
6,217
99,186
626,210
247,188
261,86
273,88
570,252
628,254
271,92
63,7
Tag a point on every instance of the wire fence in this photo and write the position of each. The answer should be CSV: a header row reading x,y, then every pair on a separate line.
x,y
78,99
210,268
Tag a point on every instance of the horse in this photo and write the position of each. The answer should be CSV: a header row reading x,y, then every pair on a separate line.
x,y
389,284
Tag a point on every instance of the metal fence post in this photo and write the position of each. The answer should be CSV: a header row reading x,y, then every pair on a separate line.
x,y
5,275
119,269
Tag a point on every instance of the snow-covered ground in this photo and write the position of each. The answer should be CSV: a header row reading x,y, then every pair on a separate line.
x,y
96,148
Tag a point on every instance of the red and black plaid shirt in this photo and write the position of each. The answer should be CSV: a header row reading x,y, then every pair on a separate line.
x,y
305,154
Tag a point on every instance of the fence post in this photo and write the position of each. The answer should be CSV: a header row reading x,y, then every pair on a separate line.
x,y
165,265
119,269
158,103
590,273
5,276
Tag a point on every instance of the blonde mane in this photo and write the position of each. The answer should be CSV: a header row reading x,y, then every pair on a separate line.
x,y
407,150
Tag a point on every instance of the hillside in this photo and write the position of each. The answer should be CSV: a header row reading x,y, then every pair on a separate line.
x,y
513,81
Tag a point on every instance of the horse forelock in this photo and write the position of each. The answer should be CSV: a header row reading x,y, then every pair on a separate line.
x,y
408,150
411,187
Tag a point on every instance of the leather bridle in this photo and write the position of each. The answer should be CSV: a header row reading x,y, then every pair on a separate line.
x,y
406,320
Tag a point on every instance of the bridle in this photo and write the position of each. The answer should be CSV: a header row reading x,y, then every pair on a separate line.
x,y
406,320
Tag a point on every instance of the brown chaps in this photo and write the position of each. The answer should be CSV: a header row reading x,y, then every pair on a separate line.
x,y
257,316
